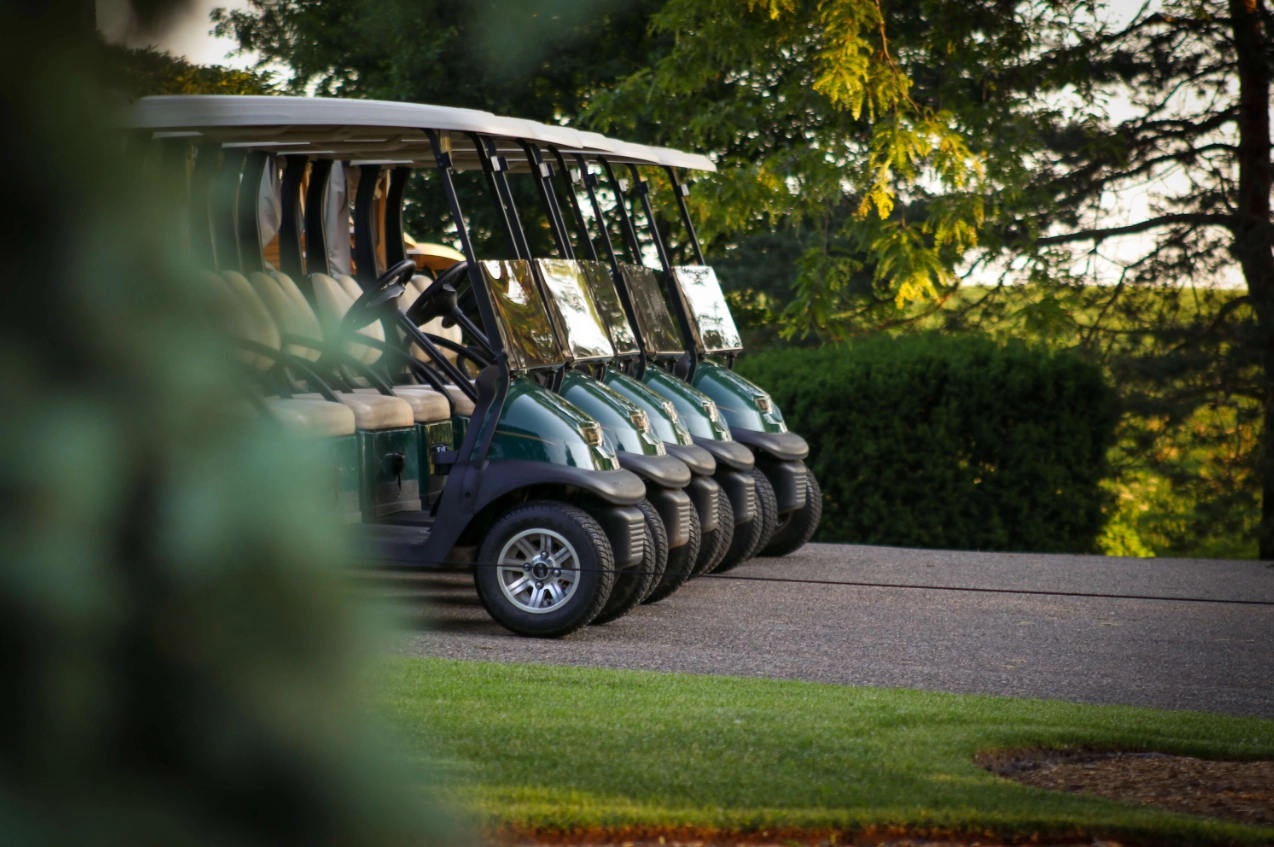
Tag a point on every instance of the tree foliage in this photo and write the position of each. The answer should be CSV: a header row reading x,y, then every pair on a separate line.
x,y
146,71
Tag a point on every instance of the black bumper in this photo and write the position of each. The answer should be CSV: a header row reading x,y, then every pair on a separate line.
x,y
730,454
664,471
786,446
699,460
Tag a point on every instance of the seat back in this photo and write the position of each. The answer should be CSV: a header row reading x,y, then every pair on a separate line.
x,y
333,300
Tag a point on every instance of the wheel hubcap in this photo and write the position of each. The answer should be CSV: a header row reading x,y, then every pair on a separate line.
x,y
538,571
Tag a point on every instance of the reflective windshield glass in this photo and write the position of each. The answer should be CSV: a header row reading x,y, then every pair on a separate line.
x,y
586,336
524,323
657,324
606,298
708,308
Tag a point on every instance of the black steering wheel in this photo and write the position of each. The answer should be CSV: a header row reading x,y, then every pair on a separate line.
x,y
369,305
439,298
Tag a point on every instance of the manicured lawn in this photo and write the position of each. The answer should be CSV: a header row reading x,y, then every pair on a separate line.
x,y
566,748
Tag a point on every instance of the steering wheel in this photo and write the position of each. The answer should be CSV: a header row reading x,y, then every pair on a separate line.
x,y
366,309
436,300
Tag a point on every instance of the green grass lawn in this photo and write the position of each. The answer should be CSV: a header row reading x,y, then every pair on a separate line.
x,y
571,748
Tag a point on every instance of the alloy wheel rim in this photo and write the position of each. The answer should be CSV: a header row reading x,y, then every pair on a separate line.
x,y
538,571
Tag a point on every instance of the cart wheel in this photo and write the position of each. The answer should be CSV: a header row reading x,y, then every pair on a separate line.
x,y
634,583
658,534
545,569
681,564
714,545
797,526
750,537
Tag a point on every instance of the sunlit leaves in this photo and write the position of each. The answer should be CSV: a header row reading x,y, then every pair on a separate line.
x,y
807,108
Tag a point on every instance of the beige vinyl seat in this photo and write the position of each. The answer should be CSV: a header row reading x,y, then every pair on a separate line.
x,y
310,412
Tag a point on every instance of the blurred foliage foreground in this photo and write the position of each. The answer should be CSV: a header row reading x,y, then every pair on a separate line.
x,y
181,664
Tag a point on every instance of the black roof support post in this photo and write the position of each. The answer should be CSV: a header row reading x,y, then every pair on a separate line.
x,y
248,223
569,181
590,186
291,258
365,225
224,211
543,173
682,191
621,208
688,363
315,235
395,242
493,168
477,441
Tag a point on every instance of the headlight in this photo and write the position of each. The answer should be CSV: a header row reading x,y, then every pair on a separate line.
x,y
640,420
592,434
763,403
671,410
711,409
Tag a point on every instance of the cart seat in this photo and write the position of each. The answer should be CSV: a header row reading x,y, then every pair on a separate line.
x,y
333,298
293,318
255,324
427,405
373,411
464,406
312,418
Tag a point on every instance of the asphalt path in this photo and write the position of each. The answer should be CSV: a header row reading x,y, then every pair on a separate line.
x,y
1212,657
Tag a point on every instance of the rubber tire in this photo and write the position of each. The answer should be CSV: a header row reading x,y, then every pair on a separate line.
x,y
713,547
681,564
596,561
659,534
634,584
750,537
797,527
767,503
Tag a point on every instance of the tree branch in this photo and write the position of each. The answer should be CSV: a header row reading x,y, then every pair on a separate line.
x,y
1098,235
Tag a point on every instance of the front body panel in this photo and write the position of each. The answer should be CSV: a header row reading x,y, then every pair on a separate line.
x,y
614,412
740,401
538,425
667,427
693,406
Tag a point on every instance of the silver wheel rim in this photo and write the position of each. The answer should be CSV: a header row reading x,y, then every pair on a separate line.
x,y
538,571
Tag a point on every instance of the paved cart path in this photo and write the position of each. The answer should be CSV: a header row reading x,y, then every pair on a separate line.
x,y
1206,656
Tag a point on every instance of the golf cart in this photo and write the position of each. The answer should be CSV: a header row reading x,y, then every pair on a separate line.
x,y
589,322
788,496
528,491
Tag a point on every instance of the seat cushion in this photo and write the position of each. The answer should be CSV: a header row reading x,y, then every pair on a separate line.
x,y
427,405
313,418
464,406
374,411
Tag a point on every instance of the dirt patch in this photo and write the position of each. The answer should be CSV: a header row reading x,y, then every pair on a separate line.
x,y
1242,792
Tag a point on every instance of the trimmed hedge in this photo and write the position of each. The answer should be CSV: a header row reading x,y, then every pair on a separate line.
x,y
953,442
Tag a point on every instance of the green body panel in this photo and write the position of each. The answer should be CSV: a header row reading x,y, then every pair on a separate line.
x,y
613,411
538,425
666,427
692,405
459,426
382,491
737,398
343,453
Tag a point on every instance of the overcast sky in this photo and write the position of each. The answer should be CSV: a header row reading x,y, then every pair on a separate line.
x,y
187,36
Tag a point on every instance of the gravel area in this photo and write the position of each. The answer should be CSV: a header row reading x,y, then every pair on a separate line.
x,y
1174,655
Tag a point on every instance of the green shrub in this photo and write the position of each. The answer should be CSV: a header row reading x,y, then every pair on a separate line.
x,y
948,441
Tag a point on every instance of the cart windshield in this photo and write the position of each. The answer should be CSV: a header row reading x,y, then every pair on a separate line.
x,y
606,298
570,300
708,309
523,321
656,322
